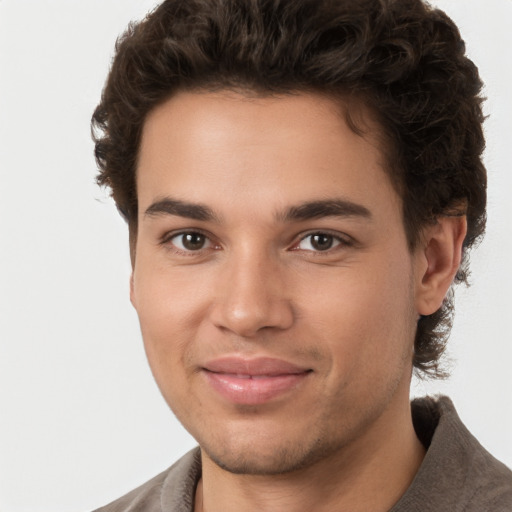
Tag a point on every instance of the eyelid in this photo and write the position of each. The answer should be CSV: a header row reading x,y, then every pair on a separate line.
x,y
165,240
343,239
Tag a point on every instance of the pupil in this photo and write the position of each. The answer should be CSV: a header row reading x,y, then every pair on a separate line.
x,y
193,241
322,242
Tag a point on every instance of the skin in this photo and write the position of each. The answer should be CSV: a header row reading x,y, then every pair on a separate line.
x,y
342,439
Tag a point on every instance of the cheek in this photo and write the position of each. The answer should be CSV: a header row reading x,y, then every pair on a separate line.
x,y
168,296
366,321
167,330
170,311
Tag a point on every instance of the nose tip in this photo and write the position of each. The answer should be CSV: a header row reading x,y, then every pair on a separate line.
x,y
250,302
248,319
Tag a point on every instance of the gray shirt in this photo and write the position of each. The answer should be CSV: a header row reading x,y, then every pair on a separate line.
x,y
456,475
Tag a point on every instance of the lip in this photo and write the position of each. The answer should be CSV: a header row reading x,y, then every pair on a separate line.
x,y
253,381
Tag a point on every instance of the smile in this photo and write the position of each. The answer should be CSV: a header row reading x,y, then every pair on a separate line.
x,y
253,382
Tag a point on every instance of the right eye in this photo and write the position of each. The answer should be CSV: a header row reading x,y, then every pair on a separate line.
x,y
190,241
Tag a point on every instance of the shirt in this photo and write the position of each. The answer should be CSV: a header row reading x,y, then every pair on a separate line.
x,y
456,475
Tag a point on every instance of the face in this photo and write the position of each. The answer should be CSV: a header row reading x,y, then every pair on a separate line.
x,y
272,278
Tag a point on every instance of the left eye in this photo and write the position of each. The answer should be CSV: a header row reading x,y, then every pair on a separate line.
x,y
318,242
191,241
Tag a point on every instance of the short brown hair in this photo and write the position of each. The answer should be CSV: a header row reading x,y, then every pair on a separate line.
x,y
405,59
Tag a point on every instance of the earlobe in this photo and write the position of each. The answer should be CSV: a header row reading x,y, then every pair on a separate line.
x,y
439,258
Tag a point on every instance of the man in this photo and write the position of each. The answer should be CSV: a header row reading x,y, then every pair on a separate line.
x,y
302,182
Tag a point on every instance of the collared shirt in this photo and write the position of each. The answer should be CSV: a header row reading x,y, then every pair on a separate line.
x,y
456,475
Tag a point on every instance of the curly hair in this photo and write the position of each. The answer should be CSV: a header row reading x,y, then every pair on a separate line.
x,y
402,58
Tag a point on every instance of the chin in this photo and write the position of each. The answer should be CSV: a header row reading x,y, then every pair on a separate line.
x,y
268,459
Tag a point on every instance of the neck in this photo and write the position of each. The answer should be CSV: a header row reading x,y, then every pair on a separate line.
x,y
371,473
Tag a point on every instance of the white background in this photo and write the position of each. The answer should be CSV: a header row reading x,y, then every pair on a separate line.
x,y
81,421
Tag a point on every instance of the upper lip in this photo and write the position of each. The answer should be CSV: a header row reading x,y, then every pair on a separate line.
x,y
235,365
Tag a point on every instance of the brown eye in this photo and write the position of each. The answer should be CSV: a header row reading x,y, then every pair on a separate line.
x,y
322,242
191,241
319,242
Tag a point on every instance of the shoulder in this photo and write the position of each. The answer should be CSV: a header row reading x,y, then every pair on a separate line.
x,y
172,490
486,483
457,474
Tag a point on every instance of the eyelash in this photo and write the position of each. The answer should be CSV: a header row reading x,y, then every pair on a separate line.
x,y
341,242
167,241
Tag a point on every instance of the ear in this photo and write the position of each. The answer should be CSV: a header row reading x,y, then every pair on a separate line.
x,y
438,258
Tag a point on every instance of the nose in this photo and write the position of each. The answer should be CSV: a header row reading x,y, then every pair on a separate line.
x,y
251,297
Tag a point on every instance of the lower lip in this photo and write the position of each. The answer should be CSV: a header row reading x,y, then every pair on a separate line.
x,y
253,391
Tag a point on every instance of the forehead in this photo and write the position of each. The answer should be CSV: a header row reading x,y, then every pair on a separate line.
x,y
269,118
280,149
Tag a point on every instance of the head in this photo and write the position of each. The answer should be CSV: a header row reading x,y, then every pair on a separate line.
x,y
401,60
393,82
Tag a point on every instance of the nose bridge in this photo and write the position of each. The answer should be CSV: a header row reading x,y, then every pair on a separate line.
x,y
252,295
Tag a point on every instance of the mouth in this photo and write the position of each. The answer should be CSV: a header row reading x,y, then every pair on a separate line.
x,y
253,381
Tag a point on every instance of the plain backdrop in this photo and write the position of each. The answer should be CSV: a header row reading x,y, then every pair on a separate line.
x,y
81,421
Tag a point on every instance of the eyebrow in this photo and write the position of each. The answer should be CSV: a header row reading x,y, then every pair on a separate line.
x,y
325,208
168,206
304,211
